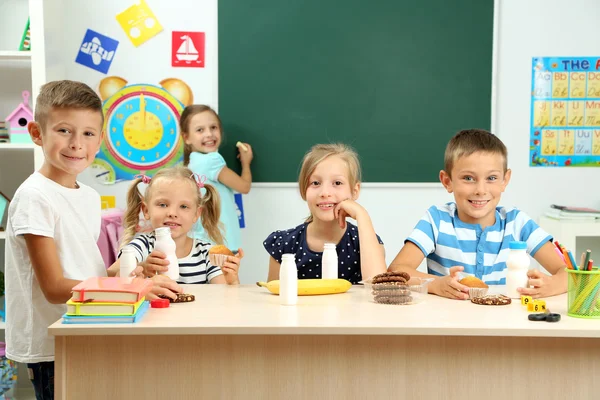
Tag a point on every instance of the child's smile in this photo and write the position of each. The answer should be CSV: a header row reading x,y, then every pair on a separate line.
x,y
328,186
204,133
172,203
477,182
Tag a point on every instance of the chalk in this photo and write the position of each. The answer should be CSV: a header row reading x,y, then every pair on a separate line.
x,y
242,145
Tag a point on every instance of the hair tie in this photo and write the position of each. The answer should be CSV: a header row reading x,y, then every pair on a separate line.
x,y
145,178
200,179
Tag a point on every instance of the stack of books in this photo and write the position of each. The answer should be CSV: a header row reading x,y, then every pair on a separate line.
x,y
107,300
572,213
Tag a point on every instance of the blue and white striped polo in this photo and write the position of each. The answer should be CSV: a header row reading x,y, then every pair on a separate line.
x,y
446,241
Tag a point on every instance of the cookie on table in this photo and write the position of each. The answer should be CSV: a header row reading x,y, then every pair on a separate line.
x,y
391,276
492,300
181,298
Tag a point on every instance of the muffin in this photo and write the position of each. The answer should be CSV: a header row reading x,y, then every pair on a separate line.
x,y
477,288
217,255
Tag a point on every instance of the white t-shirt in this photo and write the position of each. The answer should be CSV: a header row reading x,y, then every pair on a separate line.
x,y
72,217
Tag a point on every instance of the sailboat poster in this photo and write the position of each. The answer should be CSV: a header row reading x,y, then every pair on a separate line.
x,y
187,49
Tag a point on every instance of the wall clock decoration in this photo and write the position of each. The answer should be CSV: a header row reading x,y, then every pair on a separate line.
x,y
141,126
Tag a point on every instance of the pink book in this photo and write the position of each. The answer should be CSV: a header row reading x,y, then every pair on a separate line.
x,y
111,290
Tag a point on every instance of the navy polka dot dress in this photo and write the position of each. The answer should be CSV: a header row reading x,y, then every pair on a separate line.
x,y
293,241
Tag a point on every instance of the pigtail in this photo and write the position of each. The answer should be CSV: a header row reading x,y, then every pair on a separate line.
x,y
211,212
187,150
131,218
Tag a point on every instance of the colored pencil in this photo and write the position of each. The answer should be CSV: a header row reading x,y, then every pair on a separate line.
x,y
573,262
584,264
567,260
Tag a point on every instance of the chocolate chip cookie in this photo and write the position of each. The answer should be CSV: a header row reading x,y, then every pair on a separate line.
x,y
492,300
181,298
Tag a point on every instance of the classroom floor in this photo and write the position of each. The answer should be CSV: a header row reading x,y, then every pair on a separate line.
x,y
20,394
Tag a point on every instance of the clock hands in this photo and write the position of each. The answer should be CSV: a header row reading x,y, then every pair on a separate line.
x,y
143,110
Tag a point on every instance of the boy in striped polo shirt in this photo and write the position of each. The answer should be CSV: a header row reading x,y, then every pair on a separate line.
x,y
471,235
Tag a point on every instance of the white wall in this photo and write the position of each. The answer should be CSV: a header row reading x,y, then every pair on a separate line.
x,y
541,28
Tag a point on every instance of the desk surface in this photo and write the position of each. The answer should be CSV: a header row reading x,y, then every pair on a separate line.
x,y
250,310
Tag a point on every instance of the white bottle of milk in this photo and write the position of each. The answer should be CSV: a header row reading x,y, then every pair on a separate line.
x,y
127,263
329,262
288,280
166,244
517,265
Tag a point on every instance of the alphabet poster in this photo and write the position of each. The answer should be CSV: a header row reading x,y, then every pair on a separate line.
x,y
565,112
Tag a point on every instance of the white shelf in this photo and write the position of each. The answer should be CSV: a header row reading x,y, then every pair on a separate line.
x,y
15,55
2,325
20,146
2,235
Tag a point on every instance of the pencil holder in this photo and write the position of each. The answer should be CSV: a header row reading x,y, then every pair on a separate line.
x,y
584,293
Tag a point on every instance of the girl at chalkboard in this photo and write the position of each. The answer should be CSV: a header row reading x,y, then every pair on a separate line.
x,y
202,133
330,184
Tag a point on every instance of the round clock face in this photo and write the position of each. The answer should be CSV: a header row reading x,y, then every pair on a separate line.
x,y
142,133
103,172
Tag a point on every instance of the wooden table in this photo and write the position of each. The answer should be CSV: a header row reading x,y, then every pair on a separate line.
x,y
239,343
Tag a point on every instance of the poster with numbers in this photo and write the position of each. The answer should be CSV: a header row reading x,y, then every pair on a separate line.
x,y
565,112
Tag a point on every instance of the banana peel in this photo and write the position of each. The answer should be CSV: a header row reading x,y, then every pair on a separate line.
x,y
312,287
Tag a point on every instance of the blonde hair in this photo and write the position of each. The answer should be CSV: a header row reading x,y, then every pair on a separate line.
x,y
469,141
65,94
184,126
210,203
320,152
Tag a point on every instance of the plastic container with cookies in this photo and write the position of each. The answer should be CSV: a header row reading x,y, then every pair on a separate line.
x,y
217,255
396,288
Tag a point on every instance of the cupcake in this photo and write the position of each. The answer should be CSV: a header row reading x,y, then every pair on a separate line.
x,y
477,288
217,255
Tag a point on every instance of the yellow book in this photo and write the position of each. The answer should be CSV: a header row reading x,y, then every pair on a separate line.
x,y
91,308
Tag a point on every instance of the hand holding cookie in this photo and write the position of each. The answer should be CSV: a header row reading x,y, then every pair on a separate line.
x,y
163,286
449,286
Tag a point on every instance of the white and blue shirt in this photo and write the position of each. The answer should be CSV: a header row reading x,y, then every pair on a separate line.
x,y
447,241
194,268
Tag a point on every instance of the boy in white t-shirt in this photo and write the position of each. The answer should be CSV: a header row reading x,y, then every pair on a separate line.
x,y
53,227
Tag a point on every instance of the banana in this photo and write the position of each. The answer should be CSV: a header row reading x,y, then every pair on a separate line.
x,y
312,287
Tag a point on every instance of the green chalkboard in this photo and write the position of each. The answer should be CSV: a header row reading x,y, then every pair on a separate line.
x,y
393,78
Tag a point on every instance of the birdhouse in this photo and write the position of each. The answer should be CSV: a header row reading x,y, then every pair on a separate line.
x,y
17,121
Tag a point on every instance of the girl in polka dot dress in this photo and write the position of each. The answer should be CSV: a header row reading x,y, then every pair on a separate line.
x,y
330,184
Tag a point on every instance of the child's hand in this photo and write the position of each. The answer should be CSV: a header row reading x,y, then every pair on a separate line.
x,y
163,285
155,264
231,267
245,156
543,285
138,272
449,287
347,208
